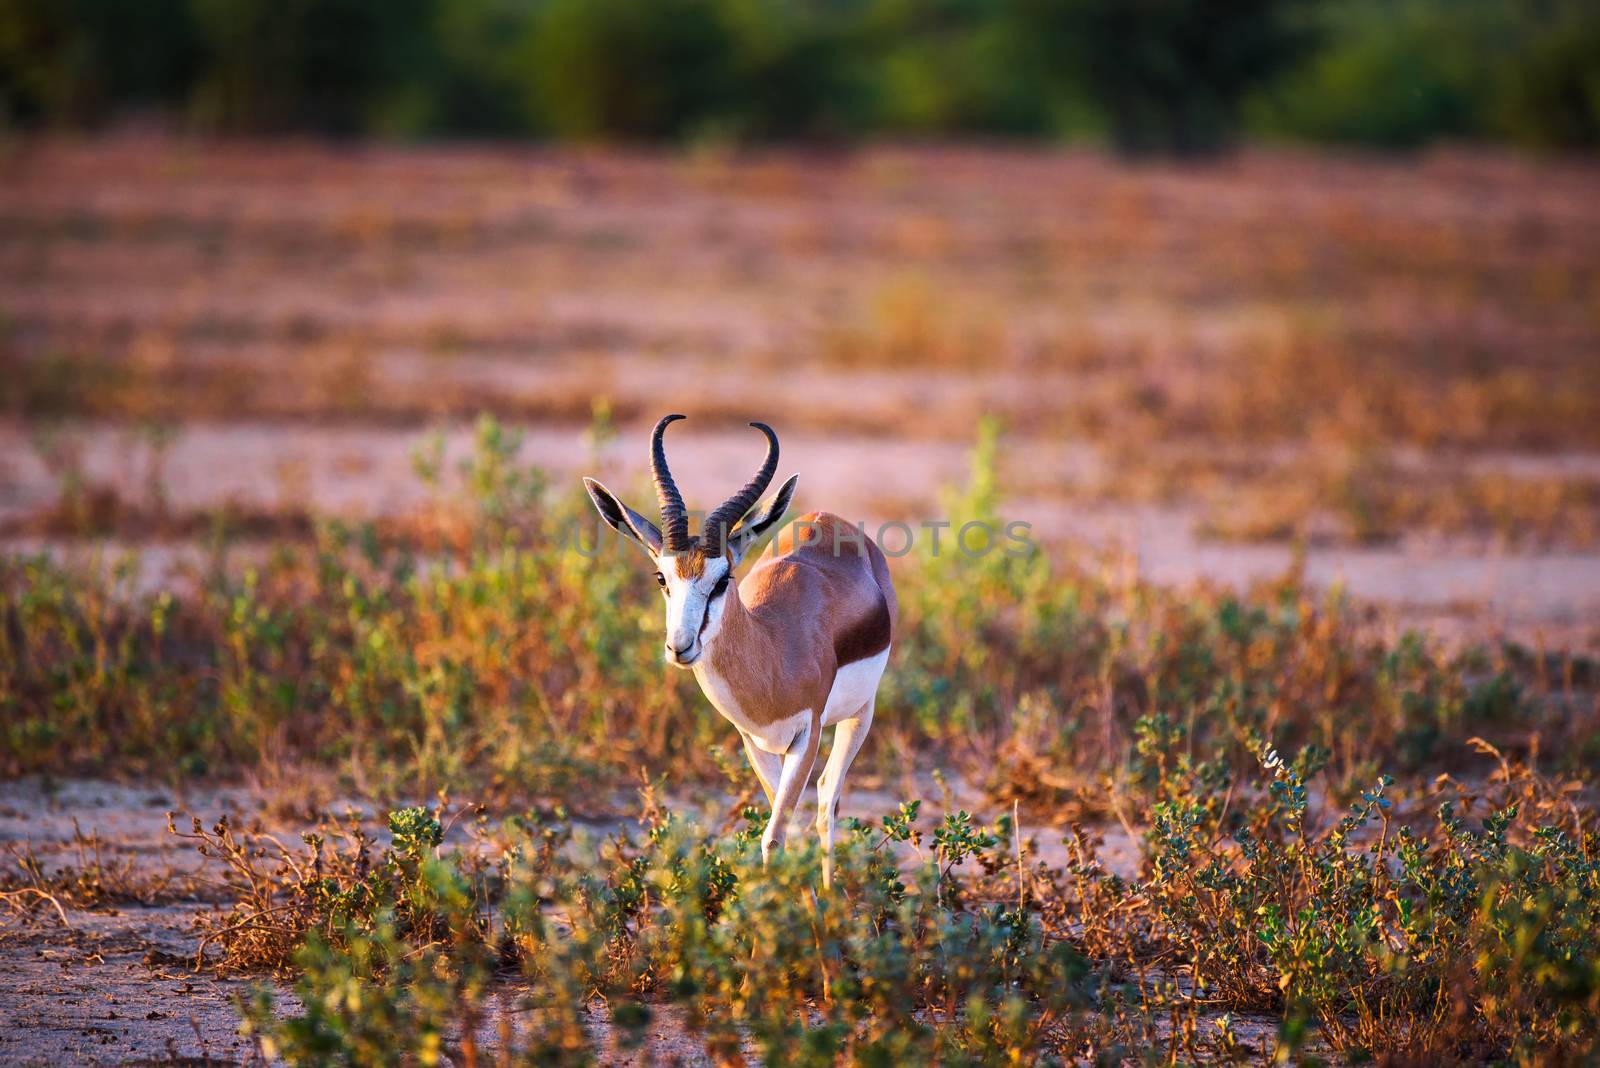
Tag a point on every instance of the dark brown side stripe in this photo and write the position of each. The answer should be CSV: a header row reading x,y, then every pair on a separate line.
x,y
866,637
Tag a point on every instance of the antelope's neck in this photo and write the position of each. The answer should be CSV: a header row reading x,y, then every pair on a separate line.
x,y
741,642
745,680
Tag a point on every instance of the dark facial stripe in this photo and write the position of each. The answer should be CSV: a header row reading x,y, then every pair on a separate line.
x,y
866,637
716,591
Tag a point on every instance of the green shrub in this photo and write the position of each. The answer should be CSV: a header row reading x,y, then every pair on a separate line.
x,y
1369,935
875,970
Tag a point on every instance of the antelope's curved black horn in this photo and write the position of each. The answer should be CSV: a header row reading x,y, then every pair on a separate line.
x,y
674,516
719,522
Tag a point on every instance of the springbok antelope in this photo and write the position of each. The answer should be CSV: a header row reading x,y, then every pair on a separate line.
x,y
797,645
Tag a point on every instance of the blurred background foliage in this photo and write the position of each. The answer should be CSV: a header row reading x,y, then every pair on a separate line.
x,y
1175,76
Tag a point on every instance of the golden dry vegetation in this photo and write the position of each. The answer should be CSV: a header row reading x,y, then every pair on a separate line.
x,y
286,479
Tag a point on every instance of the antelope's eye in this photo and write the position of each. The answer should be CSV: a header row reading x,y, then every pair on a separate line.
x,y
661,580
722,585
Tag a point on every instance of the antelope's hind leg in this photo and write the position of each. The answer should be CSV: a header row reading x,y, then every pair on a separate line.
x,y
847,739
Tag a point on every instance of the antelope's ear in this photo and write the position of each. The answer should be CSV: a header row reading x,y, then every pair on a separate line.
x,y
750,531
622,519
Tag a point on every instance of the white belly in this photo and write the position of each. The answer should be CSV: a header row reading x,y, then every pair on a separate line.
x,y
853,686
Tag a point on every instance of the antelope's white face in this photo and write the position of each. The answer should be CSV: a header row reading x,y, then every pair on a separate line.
x,y
695,573
696,592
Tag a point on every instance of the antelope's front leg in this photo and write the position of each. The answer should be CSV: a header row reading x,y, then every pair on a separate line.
x,y
792,780
767,766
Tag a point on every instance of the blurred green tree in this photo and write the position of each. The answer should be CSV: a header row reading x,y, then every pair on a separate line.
x,y
1171,76
1403,73
1549,96
474,81
620,68
339,66
798,69
951,66
69,62
1394,73
1166,75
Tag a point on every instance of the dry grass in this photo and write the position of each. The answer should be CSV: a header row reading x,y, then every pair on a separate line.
x,y
1163,315
95,878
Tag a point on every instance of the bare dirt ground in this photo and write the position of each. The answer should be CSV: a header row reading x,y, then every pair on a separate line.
x,y
112,984
115,988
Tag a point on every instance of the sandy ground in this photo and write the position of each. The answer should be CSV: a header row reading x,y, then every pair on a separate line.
x,y
114,985
115,988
